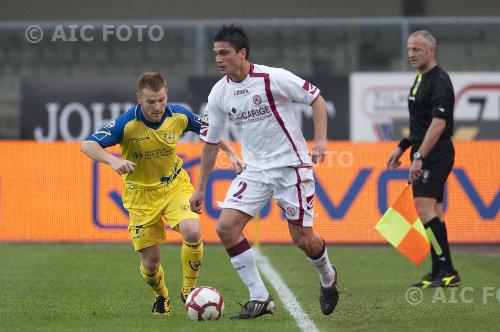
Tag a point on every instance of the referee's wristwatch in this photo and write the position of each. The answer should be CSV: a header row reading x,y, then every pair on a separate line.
x,y
418,156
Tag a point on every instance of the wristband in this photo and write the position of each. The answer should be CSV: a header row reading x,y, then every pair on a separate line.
x,y
404,144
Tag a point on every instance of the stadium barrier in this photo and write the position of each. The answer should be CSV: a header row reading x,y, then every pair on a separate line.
x,y
52,192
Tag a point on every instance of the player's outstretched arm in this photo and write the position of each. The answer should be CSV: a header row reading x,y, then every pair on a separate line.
x,y
97,153
320,120
238,164
208,157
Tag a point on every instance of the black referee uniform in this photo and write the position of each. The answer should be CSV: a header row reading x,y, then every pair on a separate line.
x,y
432,96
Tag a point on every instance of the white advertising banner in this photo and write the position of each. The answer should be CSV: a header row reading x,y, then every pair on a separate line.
x,y
379,105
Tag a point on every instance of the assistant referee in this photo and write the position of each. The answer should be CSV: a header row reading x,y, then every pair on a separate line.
x,y
430,103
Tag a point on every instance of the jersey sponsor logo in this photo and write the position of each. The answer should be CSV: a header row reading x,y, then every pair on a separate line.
x,y
138,155
256,112
240,92
253,115
153,154
138,139
257,100
309,87
111,124
231,113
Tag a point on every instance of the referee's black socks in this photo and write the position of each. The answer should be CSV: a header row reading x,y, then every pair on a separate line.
x,y
440,249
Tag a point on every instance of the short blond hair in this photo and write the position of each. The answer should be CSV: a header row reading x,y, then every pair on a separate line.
x,y
152,81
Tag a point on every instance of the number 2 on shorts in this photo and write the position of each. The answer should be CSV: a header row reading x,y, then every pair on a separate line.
x,y
239,193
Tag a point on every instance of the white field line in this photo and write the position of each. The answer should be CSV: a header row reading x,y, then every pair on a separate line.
x,y
287,297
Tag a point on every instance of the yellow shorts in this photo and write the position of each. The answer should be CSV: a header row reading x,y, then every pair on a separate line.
x,y
146,208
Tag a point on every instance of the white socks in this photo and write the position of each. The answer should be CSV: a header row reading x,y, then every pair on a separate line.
x,y
326,273
246,266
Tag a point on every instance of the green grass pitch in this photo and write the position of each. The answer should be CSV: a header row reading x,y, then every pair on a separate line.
x,y
88,287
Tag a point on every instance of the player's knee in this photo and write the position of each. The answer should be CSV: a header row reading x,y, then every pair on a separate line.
x,y
150,264
221,230
224,231
192,235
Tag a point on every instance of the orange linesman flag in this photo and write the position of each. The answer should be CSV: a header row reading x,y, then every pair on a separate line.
x,y
401,226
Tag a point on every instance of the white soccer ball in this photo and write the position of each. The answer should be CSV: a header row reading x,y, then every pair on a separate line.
x,y
204,303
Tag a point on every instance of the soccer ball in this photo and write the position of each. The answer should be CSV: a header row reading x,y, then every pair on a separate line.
x,y
204,303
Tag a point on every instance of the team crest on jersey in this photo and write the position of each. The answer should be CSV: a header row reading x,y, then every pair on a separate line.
x,y
257,100
170,137
290,211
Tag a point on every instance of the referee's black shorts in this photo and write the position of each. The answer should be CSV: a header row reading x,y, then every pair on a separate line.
x,y
435,170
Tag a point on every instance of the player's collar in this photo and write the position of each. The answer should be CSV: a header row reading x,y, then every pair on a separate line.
x,y
250,73
154,125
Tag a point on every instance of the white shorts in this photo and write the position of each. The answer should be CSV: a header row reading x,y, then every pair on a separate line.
x,y
292,188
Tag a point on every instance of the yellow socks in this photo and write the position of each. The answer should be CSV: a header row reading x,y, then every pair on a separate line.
x,y
156,280
191,256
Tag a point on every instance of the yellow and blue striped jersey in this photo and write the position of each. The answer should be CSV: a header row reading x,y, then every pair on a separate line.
x,y
152,146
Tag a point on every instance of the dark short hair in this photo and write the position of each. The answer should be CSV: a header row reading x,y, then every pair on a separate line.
x,y
235,35
152,81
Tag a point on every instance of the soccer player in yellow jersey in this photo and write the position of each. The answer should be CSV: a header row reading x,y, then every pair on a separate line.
x,y
155,184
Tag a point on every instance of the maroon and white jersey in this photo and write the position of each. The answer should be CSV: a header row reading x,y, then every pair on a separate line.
x,y
260,108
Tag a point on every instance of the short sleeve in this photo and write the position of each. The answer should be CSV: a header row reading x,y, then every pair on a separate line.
x,y
193,121
213,121
294,87
112,133
442,99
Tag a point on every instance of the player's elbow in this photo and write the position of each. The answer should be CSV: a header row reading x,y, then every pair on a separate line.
x,y
85,147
